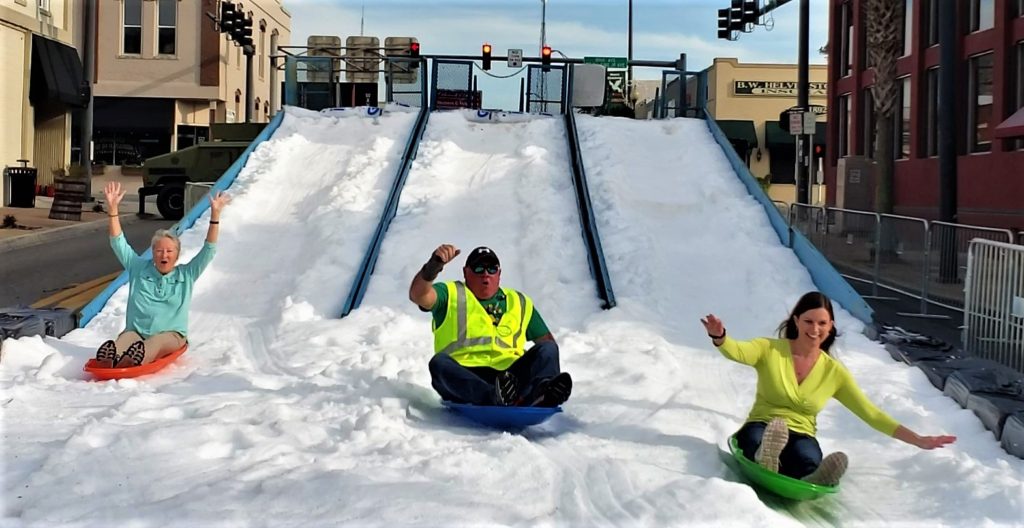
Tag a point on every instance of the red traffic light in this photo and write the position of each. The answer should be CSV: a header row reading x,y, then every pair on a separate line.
x,y
485,56
414,49
545,55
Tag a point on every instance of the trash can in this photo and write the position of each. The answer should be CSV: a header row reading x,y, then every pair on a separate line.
x,y
22,183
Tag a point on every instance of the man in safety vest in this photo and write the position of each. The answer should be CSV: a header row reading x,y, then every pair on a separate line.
x,y
480,335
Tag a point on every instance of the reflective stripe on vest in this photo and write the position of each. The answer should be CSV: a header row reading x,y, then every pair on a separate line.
x,y
483,345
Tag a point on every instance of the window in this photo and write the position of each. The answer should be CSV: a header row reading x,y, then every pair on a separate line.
x,y
262,47
266,111
903,120
931,130
238,106
44,6
1020,8
980,100
256,110
933,23
846,47
868,146
844,125
983,14
908,26
166,26
131,43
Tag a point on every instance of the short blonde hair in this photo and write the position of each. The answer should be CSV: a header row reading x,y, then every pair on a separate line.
x,y
165,233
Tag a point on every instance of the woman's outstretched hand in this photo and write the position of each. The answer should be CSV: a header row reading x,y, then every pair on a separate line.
x,y
218,201
713,325
935,442
114,194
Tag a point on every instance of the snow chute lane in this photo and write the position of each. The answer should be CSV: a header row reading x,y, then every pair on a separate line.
x,y
304,207
684,238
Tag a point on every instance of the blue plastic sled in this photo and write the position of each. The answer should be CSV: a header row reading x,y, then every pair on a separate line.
x,y
503,417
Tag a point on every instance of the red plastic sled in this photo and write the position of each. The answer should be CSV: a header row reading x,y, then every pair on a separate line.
x,y
131,372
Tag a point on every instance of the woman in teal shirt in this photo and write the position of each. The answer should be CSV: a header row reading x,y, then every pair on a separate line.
x,y
159,291
795,379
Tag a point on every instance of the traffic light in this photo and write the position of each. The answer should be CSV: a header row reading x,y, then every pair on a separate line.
x,y
736,16
723,24
244,32
227,17
485,53
414,49
749,12
545,55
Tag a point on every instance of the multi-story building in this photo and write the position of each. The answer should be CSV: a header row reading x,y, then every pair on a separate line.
x,y
746,100
42,84
164,73
989,93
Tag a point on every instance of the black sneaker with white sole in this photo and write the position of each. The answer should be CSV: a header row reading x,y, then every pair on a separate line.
x,y
506,390
551,392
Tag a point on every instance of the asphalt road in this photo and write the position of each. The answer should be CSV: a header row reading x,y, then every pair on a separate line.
x,y
31,273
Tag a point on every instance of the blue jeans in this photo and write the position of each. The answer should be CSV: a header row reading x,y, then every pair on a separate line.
x,y
800,457
475,385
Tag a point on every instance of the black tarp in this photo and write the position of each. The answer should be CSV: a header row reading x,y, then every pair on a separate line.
x,y
1012,438
1001,381
994,409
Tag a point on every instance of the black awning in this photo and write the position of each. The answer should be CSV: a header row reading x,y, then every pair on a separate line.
x,y
56,74
776,137
737,130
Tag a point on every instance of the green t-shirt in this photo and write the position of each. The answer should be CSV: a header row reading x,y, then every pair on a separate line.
x,y
495,306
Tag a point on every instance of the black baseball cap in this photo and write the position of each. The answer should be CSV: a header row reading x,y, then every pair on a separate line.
x,y
482,256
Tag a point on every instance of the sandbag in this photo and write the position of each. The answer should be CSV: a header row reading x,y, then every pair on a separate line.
x,y
1012,438
14,326
57,321
909,353
994,409
937,370
1000,381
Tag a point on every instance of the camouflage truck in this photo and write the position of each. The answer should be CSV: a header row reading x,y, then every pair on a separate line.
x,y
166,175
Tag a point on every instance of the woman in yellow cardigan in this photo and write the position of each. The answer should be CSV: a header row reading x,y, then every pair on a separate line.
x,y
795,378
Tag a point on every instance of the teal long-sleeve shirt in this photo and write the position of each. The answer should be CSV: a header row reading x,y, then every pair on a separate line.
x,y
158,303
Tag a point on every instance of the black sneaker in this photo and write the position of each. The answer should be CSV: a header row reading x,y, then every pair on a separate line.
x,y
552,392
505,389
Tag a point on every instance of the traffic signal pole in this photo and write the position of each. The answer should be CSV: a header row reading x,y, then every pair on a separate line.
x,y
803,175
248,51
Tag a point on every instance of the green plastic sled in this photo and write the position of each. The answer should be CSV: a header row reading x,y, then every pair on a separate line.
x,y
781,485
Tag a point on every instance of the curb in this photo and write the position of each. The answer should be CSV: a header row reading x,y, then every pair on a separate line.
x,y
59,233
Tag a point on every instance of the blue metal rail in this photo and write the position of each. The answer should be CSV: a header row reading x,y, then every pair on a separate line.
x,y
595,254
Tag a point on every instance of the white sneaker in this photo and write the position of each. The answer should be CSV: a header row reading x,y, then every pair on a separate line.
x,y
830,471
774,440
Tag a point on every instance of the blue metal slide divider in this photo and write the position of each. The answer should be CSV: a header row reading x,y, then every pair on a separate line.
x,y
362,280
828,280
595,254
223,183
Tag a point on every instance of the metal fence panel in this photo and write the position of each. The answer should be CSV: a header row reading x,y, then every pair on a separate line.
x,y
545,89
399,89
808,220
849,243
451,84
947,263
903,248
994,302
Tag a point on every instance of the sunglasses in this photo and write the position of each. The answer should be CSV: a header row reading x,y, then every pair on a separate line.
x,y
491,270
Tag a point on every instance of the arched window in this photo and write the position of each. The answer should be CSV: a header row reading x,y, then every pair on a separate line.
x,y
262,43
238,107
266,111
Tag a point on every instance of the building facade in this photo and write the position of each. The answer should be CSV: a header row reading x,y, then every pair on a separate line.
x,y
746,100
990,91
42,85
164,73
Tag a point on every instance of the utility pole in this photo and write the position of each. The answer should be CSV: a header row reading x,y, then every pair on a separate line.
x,y
88,58
629,57
249,52
947,136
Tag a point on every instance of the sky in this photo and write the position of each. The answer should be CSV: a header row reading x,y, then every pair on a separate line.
x,y
662,30
281,414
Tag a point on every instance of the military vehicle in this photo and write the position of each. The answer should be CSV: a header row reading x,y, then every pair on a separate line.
x,y
165,175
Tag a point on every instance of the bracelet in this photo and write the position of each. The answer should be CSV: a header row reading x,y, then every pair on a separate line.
x,y
113,215
715,338
214,222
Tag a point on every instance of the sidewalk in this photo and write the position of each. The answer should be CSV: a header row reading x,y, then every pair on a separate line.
x,y
33,225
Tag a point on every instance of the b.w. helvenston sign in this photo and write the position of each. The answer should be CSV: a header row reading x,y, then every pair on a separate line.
x,y
775,88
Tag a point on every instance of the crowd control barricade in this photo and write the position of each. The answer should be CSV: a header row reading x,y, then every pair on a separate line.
x,y
994,302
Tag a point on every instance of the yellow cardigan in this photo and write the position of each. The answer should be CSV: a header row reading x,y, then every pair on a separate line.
x,y
779,394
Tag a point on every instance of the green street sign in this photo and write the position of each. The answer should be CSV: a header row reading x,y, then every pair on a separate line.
x,y
607,62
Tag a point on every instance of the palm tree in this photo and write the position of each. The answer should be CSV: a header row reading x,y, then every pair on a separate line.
x,y
884,46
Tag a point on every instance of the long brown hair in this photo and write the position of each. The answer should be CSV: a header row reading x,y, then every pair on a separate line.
x,y
810,301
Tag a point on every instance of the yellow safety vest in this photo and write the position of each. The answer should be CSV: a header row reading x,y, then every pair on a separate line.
x,y
468,333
